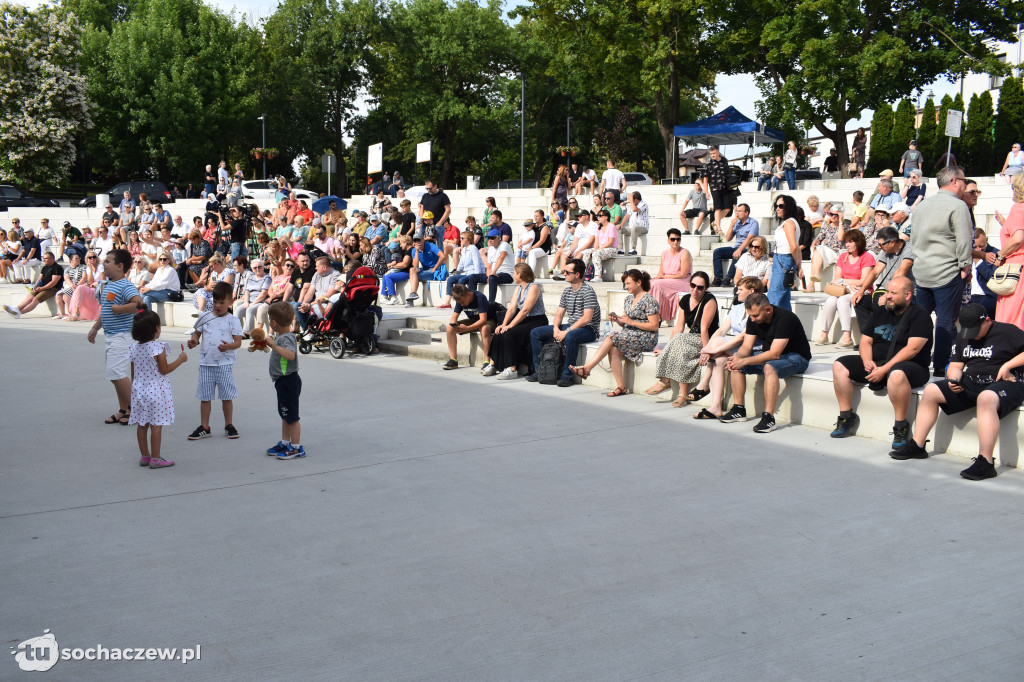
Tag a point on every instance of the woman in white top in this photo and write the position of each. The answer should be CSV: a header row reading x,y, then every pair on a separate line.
x,y
755,262
789,164
787,252
163,283
471,270
139,274
1014,164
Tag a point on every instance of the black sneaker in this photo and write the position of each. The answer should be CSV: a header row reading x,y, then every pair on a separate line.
x,y
767,423
910,450
738,413
451,364
231,431
565,382
979,470
900,436
716,282
532,377
200,432
558,278
846,427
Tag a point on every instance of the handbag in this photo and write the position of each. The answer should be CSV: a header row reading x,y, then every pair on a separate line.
x,y
836,290
851,167
1005,279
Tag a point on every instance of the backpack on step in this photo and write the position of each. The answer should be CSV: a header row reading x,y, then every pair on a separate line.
x,y
550,361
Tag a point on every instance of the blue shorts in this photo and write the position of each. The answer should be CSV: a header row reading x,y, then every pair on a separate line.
x,y
786,366
216,382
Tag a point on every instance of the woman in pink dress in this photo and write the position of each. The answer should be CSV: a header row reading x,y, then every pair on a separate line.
x,y
83,304
673,276
1010,308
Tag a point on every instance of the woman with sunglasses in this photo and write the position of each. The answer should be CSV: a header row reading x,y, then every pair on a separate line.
x,y
162,284
83,305
852,272
680,360
827,246
673,276
787,253
73,274
914,190
755,262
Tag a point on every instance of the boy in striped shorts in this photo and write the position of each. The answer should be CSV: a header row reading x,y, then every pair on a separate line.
x,y
219,334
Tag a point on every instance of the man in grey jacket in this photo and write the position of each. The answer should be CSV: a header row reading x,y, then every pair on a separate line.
x,y
942,240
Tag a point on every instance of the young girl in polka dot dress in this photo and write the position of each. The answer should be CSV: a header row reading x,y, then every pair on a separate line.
x,y
152,402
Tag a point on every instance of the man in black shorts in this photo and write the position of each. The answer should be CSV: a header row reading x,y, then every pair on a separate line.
x,y
895,348
715,178
984,372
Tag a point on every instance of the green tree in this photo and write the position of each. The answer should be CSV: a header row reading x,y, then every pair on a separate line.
x,y
1010,119
977,142
43,103
926,135
902,129
168,96
316,60
439,70
881,150
646,54
941,141
828,60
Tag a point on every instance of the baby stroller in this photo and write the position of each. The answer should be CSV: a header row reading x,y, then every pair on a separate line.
x,y
351,321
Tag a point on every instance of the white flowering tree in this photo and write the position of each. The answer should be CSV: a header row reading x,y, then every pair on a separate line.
x,y
43,104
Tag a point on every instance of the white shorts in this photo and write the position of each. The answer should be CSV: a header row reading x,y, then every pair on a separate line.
x,y
216,382
116,355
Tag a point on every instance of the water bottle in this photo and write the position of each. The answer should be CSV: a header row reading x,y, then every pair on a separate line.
x,y
607,327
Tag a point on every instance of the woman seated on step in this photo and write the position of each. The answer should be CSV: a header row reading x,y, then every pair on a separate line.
x,y
510,345
640,321
852,269
721,347
680,360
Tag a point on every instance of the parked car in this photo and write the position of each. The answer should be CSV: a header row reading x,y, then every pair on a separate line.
x,y
263,192
12,195
638,179
154,189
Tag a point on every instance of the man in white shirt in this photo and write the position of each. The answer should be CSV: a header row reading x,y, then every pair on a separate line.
x,y
178,228
586,238
222,174
102,243
636,223
612,180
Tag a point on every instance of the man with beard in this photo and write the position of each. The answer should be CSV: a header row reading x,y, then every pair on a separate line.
x,y
894,353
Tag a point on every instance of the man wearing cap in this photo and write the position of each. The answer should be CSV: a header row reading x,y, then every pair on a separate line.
x,y
900,219
911,160
377,232
942,239
885,196
44,288
577,321
71,241
895,258
895,347
501,261
986,373
361,223
425,259
30,257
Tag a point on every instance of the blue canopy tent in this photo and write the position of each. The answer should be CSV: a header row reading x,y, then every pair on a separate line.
x,y
728,126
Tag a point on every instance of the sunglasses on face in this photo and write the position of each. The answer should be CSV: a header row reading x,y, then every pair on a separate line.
x,y
778,206
698,287
884,242
756,248
673,239
974,192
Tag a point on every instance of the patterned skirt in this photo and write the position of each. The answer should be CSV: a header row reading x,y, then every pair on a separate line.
x,y
680,361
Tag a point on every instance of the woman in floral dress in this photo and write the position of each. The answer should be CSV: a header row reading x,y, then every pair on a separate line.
x,y
640,321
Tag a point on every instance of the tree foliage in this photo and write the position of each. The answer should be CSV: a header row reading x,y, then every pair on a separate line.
x,y
828,60
881,152
902,128
43,104
926,134
1009,126
977,143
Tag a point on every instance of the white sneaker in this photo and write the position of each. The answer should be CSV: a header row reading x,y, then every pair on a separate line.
x,y
11,310
597,280
508,373
412,297
489,371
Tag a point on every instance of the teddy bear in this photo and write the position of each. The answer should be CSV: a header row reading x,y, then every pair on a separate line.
x,y
259,341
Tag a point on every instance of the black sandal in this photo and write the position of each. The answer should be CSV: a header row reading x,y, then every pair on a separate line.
x,y
123,421
116,417
705,413
696,394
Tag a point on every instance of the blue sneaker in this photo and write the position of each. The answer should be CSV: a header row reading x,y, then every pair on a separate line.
x,y
846,427
296,453
278,449
900,436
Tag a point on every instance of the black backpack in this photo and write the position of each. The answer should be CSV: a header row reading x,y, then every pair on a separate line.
x,y
550,361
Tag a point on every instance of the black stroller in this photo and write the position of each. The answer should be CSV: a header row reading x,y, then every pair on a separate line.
x,y
350,321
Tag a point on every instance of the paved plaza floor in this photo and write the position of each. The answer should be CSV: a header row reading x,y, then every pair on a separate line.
x,y
450,527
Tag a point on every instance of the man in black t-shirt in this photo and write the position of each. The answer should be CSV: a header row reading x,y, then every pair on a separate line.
x,y
714,176
783,352
480,317
436,202
984,372
239,232
895,347
302,276
44,288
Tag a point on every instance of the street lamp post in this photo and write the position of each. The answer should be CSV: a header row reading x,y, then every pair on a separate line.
x,y
522,133
568,121
263,120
